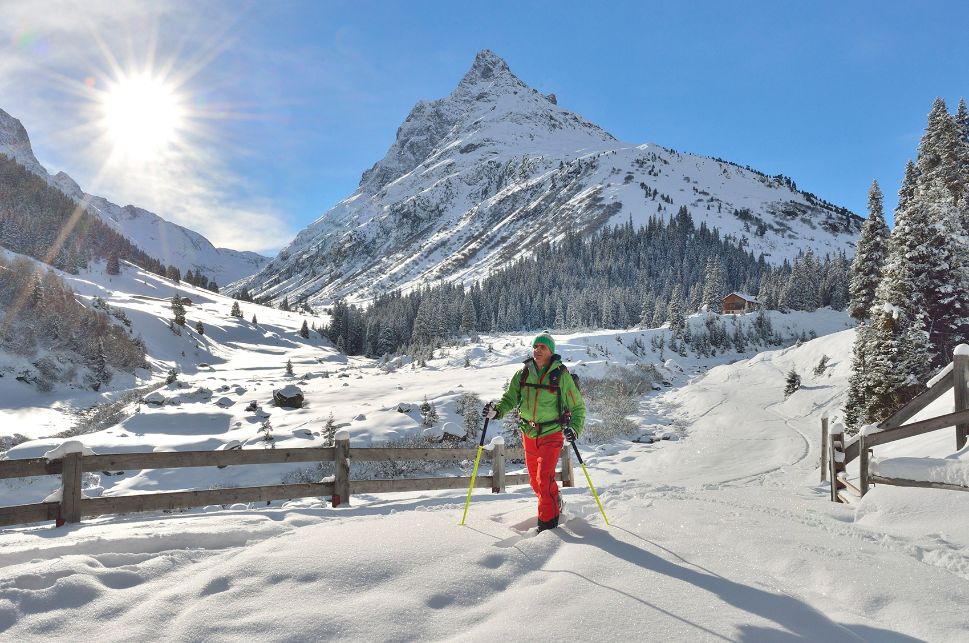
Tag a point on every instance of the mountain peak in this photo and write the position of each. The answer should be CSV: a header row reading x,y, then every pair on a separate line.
x,y
487,64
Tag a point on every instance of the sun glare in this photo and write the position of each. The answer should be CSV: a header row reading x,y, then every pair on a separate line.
x,y
142,116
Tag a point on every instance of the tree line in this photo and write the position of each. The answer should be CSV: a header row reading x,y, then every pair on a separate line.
x,y
619,277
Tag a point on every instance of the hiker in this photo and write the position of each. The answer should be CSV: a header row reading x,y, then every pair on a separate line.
x,y
551,411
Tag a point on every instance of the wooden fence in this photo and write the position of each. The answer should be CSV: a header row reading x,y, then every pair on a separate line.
x,y
73,505
837,453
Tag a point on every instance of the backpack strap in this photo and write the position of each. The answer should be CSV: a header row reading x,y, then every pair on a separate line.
x,y
553,386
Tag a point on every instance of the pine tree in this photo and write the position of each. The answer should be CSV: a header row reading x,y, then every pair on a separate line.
x,y
114,265
178,310
945,282
199,328
962,119
236,311
897,362
289,367
714,285
792,382
100,366
801,291
254,322
674,312
304,330
328,434
941,156
469,316
866,268
859,381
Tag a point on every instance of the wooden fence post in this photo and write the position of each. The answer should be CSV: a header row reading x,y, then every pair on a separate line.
x,y
70,489
824,448
568,473
960,379
836,448
498,467
341,481
862,465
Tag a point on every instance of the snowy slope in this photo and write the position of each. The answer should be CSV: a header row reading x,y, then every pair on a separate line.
x,y
723,534
166,241
475,178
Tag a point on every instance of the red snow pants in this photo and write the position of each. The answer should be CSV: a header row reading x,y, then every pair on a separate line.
x,y
541,456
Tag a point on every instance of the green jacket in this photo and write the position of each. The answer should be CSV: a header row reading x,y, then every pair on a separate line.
x,y
540,405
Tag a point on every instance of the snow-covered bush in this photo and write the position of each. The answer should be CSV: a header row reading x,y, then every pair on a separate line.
x,y
611,399
469,407
792,382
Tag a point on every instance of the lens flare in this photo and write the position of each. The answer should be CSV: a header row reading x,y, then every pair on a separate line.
x,y
142,115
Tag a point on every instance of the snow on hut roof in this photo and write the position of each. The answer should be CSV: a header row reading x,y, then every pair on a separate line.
x,y
745,296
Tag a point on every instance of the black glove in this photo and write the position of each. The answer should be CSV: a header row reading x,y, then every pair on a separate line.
x,y
569,434
489,412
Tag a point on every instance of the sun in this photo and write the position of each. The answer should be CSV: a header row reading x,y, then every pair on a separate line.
x,y
142,115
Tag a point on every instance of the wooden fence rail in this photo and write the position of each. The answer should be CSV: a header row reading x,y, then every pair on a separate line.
x,y
72,505
893,429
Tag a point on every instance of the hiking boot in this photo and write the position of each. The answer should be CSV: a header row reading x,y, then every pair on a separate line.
x,y
547,524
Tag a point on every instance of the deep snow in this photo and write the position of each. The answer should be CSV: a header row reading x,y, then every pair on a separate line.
x,y
723,534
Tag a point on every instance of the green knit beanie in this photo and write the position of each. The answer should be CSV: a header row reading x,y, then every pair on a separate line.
x,y
546,339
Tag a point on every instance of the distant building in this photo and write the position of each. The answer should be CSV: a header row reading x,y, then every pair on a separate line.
x,y
737,303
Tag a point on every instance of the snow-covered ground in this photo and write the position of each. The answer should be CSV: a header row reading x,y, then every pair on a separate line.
x,y
723,534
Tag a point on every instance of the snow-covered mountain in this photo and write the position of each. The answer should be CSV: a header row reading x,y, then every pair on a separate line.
x,y
164,240
477,178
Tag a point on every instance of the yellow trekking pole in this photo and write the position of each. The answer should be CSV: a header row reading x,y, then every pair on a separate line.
x,y
474,472
588,479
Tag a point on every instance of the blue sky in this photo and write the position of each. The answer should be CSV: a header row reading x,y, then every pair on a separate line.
x,y
292,101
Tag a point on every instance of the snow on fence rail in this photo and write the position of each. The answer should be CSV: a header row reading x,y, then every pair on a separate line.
x,y
72,505
913,472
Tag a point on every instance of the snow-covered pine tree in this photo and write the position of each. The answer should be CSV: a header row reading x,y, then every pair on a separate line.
x,y
859,381
199,328
178,310
801,291
942,153
469,316
946,279
897,362
792,382
962,119
236,311
714,285
674,312
866,269
114,265
559,315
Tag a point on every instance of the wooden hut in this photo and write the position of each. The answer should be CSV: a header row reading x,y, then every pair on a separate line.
x,y
737,303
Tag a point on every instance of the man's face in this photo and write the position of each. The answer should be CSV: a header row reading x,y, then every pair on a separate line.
x,y
541,354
